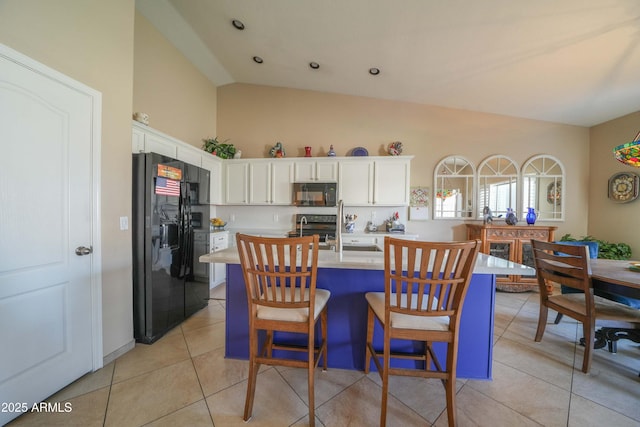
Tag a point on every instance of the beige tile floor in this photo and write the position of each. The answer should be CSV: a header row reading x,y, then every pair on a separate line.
x,y
184,380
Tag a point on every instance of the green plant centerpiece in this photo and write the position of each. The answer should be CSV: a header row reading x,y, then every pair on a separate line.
x,y
220,149
606,250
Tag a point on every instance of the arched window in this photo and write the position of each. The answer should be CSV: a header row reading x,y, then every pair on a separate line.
x,y
453,188
497,185
542,189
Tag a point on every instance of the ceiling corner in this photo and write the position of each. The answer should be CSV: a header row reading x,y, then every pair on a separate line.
x,y
174,28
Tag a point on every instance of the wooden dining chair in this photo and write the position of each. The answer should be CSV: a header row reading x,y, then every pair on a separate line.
x,y
280,278
425,287
569,266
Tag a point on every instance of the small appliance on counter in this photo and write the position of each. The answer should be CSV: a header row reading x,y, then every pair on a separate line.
x,y
395,227
393,224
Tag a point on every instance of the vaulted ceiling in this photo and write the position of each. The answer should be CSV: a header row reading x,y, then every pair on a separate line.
x,y
568,61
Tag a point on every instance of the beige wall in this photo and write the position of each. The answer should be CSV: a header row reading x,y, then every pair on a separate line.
x,y
92,42
254,118
609,220
180,101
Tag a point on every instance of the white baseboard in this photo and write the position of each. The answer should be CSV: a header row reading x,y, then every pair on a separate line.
x,y
119,352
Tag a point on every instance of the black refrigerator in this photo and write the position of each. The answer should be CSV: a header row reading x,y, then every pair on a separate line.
x,y
170,208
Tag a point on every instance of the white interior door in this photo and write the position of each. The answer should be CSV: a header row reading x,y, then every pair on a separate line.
x,y
49,329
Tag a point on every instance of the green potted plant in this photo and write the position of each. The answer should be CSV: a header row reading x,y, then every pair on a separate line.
x,y
220,149
606,250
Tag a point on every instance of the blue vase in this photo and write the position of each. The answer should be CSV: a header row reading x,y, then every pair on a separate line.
x,y
531,216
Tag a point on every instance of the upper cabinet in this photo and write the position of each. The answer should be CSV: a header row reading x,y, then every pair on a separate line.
x,y
236,183
454,180
148,140
355,183
497,185
190,154
270,182
362,181
542,178
315,169
258,182
214,166
391,181
281,182
380,181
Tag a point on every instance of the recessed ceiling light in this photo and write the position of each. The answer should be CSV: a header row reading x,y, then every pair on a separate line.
x,y
374,71
237,24
257,60
314,65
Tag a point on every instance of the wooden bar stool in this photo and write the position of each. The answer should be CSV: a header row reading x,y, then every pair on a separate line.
x,y
280,277
425,287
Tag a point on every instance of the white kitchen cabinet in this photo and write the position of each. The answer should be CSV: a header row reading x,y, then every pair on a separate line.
x,y
281,181
189,154
391,181
310,170
259,183
375,181
214,166
348,240
147,140
236,182
157,144
217,272
362,181
137,140
355,182
270,182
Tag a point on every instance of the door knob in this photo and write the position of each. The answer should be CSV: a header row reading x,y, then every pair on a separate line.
x,y
83,250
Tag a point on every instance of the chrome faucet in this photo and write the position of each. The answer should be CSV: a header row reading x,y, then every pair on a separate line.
x,y
303,220
339,227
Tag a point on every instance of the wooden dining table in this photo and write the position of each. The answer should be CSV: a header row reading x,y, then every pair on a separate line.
x,y
616,272
616,276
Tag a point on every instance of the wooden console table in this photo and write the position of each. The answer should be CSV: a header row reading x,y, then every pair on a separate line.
x,y
512,242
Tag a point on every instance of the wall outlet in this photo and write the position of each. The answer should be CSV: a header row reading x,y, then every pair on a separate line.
x,y
124,223
232,218
276,218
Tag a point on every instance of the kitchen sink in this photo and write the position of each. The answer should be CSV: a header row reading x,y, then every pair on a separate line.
x,y
361,248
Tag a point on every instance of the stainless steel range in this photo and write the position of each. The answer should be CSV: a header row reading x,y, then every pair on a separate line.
x,y
310,224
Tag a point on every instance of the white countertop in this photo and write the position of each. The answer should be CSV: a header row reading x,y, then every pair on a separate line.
x,y
485,264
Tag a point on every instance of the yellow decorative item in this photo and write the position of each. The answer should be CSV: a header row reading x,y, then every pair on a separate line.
x,y
218,223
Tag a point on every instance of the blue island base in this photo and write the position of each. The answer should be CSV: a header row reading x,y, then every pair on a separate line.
x,y
347,321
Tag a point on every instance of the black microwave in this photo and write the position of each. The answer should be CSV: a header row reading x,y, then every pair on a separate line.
x,y
314,193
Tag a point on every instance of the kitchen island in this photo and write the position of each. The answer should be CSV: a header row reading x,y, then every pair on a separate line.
x,y
348,276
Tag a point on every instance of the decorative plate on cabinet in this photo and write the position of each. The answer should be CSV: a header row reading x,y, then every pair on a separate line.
x,y
359,151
